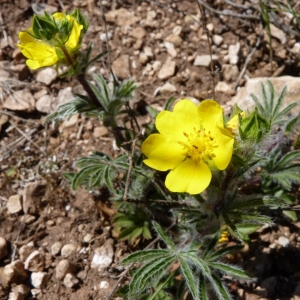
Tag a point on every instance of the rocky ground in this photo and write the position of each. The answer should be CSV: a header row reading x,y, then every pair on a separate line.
x,y
56,243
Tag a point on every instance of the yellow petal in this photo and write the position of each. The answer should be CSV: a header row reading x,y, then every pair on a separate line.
x,y
58,16
39,54
163,154
74,37
189,177
211,115
184,118
26,38
223,152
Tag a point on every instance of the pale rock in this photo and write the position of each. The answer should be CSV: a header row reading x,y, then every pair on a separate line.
x,y
22,289
217,39
70,280
63,268
26,250
21,70
103,256
204,60
121,17
35,262
170,49
138,44
167,70
32,196
68,249
21,100
55,248
14,272
46,75
296,48
40,94
35,292
278,34
177,30
175,39
168,88
104,285
233,53
143,58
253,86
103,36
210,27
156,65
230,72
15,296
45,104
100,131
138,32
283,241
65,95
69,123
3,247
39,279
40,8
14,204
148,51
121,67
223,87
87,238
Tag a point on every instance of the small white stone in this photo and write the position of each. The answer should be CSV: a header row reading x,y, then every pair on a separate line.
x,y
46,75
55,248
168,88
217,39
283,241
14,204
204,60
88,237
68,250
103,256
148,51
39,279
167,70
104,285
64,267
70,280
223,87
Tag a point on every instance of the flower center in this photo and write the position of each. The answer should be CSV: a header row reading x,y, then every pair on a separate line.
x,y
198,145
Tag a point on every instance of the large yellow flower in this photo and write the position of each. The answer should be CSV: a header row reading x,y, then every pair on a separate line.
x,y
191,142
40,53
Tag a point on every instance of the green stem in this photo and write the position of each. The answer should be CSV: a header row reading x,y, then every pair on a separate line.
x,y
85,84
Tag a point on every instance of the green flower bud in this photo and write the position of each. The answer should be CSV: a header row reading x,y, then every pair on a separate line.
x,y
43,28
253,127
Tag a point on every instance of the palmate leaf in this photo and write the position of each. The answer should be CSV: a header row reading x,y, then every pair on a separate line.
x,y
189,278
80,104
163,236
98,170
231,270
145,256
225,295
149,275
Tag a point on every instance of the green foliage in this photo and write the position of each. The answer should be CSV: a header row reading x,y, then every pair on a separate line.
x,y
132,225
270,108
197,269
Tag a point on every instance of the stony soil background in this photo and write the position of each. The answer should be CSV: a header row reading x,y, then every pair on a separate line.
x,y
56,243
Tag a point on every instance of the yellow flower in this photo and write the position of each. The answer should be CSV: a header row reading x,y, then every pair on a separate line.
x,y
40,53
191,142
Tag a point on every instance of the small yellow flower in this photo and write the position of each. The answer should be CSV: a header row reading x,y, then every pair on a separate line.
x,y
191,142
233,123
40,53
